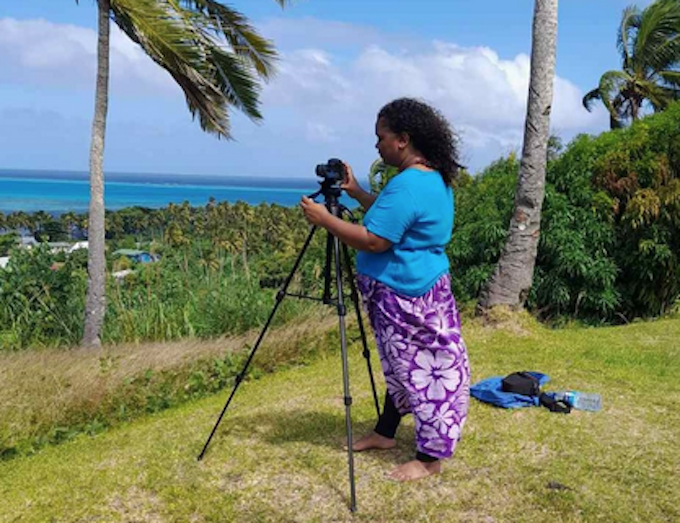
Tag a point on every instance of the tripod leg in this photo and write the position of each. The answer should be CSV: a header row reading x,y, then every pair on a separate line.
x,y
279,298
327,298
357,308
345,371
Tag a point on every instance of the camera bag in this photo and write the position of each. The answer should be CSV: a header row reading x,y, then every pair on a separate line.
x,y
521,383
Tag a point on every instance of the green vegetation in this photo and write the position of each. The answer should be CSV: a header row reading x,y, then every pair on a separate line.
x,y
57,395
610,237
219,270
278,454
7,242
609,250
609,253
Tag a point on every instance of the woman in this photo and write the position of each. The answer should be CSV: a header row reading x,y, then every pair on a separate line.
x,y
404,280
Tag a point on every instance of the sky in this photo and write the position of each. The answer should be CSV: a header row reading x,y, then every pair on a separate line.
x,y
340,62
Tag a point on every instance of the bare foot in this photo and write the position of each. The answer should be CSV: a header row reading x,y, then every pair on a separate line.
x,y
414,470
373,441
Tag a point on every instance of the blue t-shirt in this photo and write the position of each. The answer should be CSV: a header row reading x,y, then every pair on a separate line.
x,y
415,212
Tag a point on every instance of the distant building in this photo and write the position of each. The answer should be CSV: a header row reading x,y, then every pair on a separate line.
x,y
57,247
137,255
28,242
79,245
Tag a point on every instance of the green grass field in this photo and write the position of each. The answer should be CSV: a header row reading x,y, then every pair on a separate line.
x,y
278,454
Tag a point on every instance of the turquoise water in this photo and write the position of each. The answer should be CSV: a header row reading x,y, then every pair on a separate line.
x,y
60,191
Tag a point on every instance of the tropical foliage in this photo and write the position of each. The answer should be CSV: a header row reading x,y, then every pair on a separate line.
x,y
219,267
649,43
622,199
209,49
610,240
609,250
214,56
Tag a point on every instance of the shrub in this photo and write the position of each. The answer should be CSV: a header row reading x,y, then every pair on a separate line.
x,y
610,231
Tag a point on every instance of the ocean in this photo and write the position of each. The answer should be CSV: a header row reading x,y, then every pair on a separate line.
x,y
61,191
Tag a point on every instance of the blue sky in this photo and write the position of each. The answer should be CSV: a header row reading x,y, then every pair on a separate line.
x,y
340,62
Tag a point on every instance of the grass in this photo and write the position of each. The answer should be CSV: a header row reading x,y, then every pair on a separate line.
x,y
52,395
278,454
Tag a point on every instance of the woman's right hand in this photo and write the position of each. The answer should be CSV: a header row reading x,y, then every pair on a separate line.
x,y
350,184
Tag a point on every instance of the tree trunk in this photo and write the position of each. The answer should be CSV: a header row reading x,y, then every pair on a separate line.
x,y
513,276
635,108
95,306
244,257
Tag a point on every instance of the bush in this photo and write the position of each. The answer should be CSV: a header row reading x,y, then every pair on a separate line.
x,y
40,303
610,232
621,192
483,211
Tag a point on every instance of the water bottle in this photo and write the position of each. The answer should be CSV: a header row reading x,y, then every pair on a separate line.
x,y
580,400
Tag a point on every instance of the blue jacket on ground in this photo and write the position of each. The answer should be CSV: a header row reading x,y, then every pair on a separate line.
x,y
490,391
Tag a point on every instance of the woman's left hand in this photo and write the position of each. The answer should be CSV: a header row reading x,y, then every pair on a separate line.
x,y
316,213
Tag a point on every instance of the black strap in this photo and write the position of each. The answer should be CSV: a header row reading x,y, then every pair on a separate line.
x,y
553,405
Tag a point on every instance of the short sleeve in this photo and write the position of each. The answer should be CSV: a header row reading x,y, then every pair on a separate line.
x,y
392,213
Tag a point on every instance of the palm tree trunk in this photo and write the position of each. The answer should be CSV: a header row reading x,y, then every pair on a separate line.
x,y
513,276
96,264
635,108
244,256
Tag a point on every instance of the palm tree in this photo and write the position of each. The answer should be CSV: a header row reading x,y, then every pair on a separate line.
x,y
18,220
513,276
69,220
40,218
114,225
174,235
379,174
213,54
649,43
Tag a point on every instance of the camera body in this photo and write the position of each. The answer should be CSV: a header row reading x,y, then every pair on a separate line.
x,y
332,174
333,171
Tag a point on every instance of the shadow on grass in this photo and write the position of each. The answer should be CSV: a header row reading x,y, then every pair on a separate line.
x,y
320,430
317,428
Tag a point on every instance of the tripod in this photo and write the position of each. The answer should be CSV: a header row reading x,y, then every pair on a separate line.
x,y
337,253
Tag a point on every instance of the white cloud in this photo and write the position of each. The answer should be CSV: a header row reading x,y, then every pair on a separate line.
x,y
292,34
320,133
329,87
482,94
308,77
38,52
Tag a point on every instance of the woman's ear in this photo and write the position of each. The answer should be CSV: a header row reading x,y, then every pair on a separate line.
x,y
404,141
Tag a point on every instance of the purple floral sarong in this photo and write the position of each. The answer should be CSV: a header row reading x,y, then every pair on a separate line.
x,y
424,359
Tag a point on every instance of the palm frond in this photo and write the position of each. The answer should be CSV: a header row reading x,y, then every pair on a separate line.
x,y
672,78
630,21
211,75
668,53
589,98
656,44
612,83
227,23
234,78
658,96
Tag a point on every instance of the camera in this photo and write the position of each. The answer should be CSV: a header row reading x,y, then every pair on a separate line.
x,y
333,171
332,175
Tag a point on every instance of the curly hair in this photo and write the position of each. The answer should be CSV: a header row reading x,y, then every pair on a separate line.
x,y
429,131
